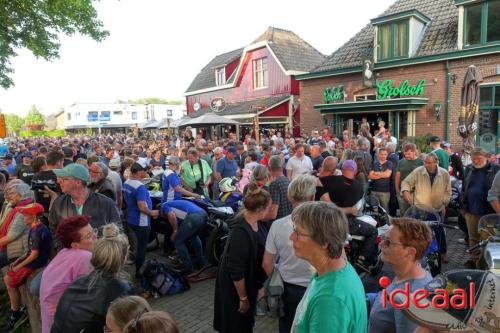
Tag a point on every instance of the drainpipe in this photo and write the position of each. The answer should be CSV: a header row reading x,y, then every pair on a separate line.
x,y
448,93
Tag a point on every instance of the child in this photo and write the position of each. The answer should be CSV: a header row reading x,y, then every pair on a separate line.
x,y
39,247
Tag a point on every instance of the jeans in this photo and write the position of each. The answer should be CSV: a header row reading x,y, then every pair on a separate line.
x,y
188,230
142,238
384,198
291,297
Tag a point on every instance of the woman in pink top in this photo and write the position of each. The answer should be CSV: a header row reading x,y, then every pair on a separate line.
x,y
78,238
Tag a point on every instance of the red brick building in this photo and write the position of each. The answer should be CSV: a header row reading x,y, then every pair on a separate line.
x,y
257,80
423,48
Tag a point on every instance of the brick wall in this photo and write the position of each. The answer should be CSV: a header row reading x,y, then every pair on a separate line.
x,y
435,75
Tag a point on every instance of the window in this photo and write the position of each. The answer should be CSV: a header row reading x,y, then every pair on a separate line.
x,y
92,116
368,97
260,73
68,116
184,113
117,113
393,40
105,116
134,115
482,23
220,76
169,113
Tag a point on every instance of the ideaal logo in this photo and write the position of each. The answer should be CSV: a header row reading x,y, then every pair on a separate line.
x,y
455,298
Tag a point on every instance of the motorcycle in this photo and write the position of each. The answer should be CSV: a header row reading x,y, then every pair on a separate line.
x,y
432,256
375,215
489,231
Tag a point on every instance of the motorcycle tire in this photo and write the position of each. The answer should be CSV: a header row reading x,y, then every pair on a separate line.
x,y
215,246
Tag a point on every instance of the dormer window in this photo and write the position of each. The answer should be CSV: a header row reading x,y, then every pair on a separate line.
x,y
260,74
220,76
393,40
482,23
399,35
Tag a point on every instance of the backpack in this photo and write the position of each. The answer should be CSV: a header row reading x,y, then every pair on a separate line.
x,y
158,277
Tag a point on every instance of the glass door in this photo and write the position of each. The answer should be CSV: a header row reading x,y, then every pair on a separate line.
x,y
489,111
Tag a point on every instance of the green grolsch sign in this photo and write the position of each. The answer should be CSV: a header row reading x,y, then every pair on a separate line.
x,y
386,90
333,94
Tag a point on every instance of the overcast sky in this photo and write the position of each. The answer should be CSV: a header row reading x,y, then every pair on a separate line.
x,y
156,47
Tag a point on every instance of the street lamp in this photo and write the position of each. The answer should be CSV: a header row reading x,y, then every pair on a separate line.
x,y
437,109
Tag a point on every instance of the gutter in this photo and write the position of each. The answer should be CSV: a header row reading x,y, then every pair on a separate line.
x,y
448,93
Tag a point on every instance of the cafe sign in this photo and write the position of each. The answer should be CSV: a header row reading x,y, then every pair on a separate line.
x,y
333,94
386,89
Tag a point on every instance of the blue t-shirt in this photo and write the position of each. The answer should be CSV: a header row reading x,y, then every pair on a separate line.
x,y
133,191
169,181
181,208
477,193
386,319
39,239
226,167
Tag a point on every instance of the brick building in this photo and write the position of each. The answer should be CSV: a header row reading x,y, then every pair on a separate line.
x,y
423,48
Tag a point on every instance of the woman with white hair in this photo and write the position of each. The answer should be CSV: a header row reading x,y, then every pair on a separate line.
x,y
296,272
83,306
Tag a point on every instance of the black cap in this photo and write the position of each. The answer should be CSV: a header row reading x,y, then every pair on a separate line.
x,y
8,157
435,139
136,167
67,151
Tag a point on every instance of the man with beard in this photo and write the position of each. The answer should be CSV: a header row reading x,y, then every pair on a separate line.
x,y
99,181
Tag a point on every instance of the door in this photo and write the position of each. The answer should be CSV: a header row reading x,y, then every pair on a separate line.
x,y
489,115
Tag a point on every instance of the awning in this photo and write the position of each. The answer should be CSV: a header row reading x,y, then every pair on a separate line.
x,y
396,104
149,124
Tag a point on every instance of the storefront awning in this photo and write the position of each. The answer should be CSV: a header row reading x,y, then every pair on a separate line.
x,y
396,104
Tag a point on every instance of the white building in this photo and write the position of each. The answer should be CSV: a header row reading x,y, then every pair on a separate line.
x,y
111,117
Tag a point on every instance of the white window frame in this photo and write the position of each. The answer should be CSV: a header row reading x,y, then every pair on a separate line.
x,y
169,113
260,73
220,76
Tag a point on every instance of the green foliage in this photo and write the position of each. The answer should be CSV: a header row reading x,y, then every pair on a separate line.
x,y
37,25
14,123
51,134
35,120
155,100
422,142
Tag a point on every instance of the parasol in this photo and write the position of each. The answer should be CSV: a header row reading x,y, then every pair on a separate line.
x,y
467,124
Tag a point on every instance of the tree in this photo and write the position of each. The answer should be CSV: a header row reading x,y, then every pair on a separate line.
x,y
37,24
14,123
35,121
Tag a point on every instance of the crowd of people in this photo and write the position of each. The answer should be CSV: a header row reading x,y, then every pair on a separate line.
x,y
77,210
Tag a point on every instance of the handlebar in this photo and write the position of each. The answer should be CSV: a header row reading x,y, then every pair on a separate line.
x,y
483,243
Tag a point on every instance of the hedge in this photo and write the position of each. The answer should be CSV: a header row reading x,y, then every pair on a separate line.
x,y
50,134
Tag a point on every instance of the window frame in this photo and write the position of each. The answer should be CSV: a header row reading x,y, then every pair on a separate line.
x,y
93,119
392,38
134,115
484,25
262,70
220,76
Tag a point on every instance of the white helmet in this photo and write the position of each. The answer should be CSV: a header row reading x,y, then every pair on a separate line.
x,y
226,185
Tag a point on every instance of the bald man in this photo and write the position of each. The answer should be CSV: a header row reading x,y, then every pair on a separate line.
x,y
329,167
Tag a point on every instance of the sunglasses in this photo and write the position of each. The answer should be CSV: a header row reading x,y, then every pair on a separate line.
x,y
388,243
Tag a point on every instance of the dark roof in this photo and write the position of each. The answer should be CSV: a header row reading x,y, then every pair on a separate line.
x,y
294,53
206,78
242,107
440,35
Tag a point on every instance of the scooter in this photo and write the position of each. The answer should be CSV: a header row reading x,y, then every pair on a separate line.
x,y
489,231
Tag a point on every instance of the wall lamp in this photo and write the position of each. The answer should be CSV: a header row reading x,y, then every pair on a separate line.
x,y
437,109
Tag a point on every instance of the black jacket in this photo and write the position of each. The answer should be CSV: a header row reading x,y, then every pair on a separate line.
x,y
105,187
491,171
83,306
100,208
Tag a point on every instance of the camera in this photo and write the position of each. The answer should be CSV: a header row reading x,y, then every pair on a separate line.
x,y
41,187
200,185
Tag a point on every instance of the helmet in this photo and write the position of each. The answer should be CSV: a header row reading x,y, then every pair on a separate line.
x,y
226,185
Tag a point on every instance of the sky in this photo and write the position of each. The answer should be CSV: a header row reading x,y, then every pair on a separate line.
x,y
156,47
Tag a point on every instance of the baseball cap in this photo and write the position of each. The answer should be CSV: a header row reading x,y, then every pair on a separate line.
x,y
232,150
435,139
67,151
350,164
74,170
114,163
32,209
136,167
446,144
8,157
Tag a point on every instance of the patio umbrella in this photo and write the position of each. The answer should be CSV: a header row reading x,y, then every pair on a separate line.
x,y
209,119
467,124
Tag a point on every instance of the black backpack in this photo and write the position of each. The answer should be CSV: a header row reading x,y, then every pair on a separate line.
x,y
158,277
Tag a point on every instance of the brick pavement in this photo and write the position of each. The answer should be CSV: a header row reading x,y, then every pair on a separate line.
x,y
193,310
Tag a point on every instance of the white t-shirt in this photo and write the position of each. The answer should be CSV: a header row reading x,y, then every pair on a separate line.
x,y
293,270
299,167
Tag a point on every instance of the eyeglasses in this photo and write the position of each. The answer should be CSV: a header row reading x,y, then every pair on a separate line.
x,y
65,179
91,234
298,233
388,243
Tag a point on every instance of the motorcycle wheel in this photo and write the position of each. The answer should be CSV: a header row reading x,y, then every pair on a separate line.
x,y
215,246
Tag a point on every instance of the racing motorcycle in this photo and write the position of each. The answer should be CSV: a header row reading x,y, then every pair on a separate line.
x,y
375,215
